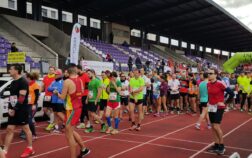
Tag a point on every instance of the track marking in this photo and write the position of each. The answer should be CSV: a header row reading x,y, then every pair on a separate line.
x,y
42,154
178,130
200,151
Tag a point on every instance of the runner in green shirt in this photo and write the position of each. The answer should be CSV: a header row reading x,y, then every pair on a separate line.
x,y
94,94
114,100
136,98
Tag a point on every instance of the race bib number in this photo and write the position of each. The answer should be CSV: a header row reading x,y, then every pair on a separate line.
x,y
13,100
90,94
47,98
212,108
112,96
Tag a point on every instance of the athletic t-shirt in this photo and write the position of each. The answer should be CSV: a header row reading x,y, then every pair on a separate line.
x,y
184,85
146,81
93,87
32,88
15,87
203,92
233,82
136,84
216,93
156,88
114,96
105,83
174,86
85,80
125,84
47,81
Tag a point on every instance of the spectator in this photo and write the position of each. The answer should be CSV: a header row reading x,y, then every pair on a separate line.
x,y
147,64
109,58
138,63
162,65
13,47
130,63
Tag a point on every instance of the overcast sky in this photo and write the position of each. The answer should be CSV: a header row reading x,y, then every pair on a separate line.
x,y
241,9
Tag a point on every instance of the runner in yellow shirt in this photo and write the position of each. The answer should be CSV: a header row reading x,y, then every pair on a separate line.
x,y
104,95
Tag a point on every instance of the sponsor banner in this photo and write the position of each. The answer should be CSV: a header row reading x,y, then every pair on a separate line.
x,y
75,44
16,57
97,66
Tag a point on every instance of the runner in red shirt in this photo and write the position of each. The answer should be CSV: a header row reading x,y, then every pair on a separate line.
x,y
216,106
85,80
47,105
184,85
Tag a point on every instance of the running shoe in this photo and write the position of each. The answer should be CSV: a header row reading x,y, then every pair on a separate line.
x,y
156,115
197,126
221,150
34,138
249,110
209,126
84,153
103,128
97,122
109,130
115,131
133,127
213,149
89,130
22,136
28,152
138,128
241,110
56,131
81,126
50,127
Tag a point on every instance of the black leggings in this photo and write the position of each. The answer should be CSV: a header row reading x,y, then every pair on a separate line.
x,y
31,124
244,96
84,112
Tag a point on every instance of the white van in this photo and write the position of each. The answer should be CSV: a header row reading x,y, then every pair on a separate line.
x,y
4,99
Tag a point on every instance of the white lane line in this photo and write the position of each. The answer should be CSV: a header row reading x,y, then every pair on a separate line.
x,y
55,150
239,126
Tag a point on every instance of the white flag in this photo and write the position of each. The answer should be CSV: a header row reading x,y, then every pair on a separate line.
x,y
75,44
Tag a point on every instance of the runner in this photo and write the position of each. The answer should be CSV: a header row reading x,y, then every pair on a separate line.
x,y
184,85
18,110
57,103
104,95
136,99
94,94
85,80
156,96
72,92
47,105
163,93
193,92
243,82
203,95
124,94
146,86
113,89
233,87
216,106
32,102
174,86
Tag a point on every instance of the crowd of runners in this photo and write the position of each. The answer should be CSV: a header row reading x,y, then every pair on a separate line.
x,y
78,98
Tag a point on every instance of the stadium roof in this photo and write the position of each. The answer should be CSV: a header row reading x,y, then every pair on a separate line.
x,y
200,22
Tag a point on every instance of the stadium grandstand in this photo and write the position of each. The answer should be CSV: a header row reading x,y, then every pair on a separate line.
x,y
167,37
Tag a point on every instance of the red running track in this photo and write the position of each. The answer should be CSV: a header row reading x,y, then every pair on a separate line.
x,y
171,136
